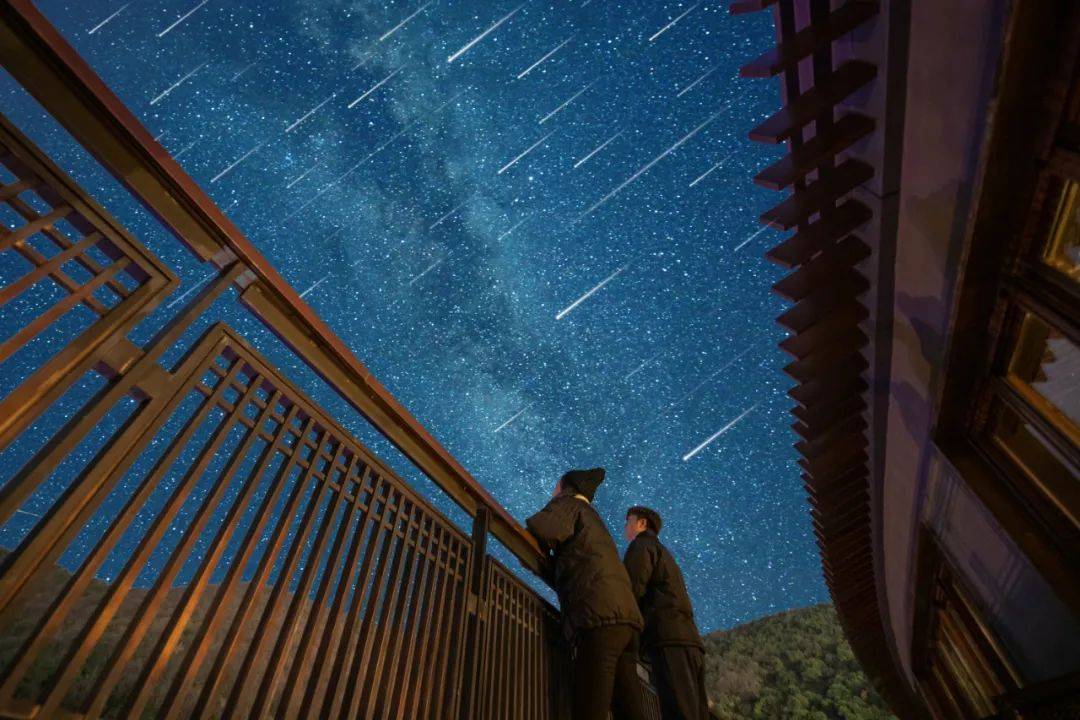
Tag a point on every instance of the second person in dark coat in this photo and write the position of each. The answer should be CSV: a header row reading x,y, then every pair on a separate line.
x,y
597,604
671,640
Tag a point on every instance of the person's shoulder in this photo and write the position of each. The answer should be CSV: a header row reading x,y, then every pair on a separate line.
x,y
645,541
565,504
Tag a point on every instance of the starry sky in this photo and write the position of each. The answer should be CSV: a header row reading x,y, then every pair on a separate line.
x,y
534,222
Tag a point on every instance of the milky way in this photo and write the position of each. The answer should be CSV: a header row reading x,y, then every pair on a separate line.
x,y
534,222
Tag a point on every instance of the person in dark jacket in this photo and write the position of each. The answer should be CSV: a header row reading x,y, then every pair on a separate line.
x,y
670,639
598,607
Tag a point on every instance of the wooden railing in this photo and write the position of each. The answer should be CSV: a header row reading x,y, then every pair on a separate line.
x,y
238,553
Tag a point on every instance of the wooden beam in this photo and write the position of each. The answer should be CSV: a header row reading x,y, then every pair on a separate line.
x,y
813,103
811,39
819,195
816,151
830,227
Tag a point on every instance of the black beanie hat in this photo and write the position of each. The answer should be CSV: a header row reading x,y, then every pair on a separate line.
x,y
651,517
584,482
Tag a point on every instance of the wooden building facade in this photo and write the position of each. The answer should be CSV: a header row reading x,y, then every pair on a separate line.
x,y
934,170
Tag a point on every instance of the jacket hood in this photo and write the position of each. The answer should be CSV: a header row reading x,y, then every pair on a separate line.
x,y
583,481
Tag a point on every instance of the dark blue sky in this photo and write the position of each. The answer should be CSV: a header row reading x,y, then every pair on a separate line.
x,y
445,216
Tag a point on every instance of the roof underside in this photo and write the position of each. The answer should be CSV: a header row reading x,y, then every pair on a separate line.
x,y
826,287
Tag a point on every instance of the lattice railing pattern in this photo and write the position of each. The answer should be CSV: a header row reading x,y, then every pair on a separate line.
x,y
61,254
518,651
270,538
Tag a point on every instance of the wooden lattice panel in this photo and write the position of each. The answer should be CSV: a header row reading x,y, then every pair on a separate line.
x,y
61,252
278,567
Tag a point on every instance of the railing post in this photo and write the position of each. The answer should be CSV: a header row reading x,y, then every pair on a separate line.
x,y
477,606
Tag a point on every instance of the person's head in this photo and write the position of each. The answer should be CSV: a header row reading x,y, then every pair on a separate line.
x,y
639,519
580,482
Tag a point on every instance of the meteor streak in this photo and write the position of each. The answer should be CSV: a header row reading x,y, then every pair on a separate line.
x,y
667,27
426,270
243,70
449,212
551,52
309,113
374,87
587,295
704,75
483,35
316,284
439,109
104,22
177,83
181,19
640,367
572,99
701,384
515,417
370,155
719,432
515,227
649,164
176,156
740,245
709,171
190,290
528,150
351,170
242,158
597,149
402,24
303,175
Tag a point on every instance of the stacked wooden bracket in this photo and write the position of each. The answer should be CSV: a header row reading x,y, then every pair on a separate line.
x,y
827,342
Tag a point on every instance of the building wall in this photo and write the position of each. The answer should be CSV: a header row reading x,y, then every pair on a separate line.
x,y
1040,633
953,53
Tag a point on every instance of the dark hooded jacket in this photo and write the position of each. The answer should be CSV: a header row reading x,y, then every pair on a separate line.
x,y
661,593
591,583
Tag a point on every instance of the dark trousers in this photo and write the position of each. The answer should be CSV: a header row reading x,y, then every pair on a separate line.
x,y
605,675
679,676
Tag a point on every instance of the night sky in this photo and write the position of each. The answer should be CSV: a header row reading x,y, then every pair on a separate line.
x,y
534,222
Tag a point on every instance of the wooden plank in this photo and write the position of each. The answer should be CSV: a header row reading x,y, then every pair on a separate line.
x,y
828,412
813,103
840,320
815,152
822,269
819,195
814,37
839,460
813,436
833,224
816,443
843,382
846,350
844,288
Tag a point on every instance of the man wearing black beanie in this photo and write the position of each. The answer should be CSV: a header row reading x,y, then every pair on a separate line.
x,y
598,607
671,639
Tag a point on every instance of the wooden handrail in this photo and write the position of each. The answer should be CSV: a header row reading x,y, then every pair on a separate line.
x,y
51,70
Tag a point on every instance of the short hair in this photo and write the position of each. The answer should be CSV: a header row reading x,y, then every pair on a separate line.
x,y
651,517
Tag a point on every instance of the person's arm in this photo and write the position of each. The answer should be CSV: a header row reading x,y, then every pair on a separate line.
x,y
552,525
640,560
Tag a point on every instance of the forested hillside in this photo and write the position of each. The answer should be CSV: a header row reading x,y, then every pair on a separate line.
x,y
795,665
